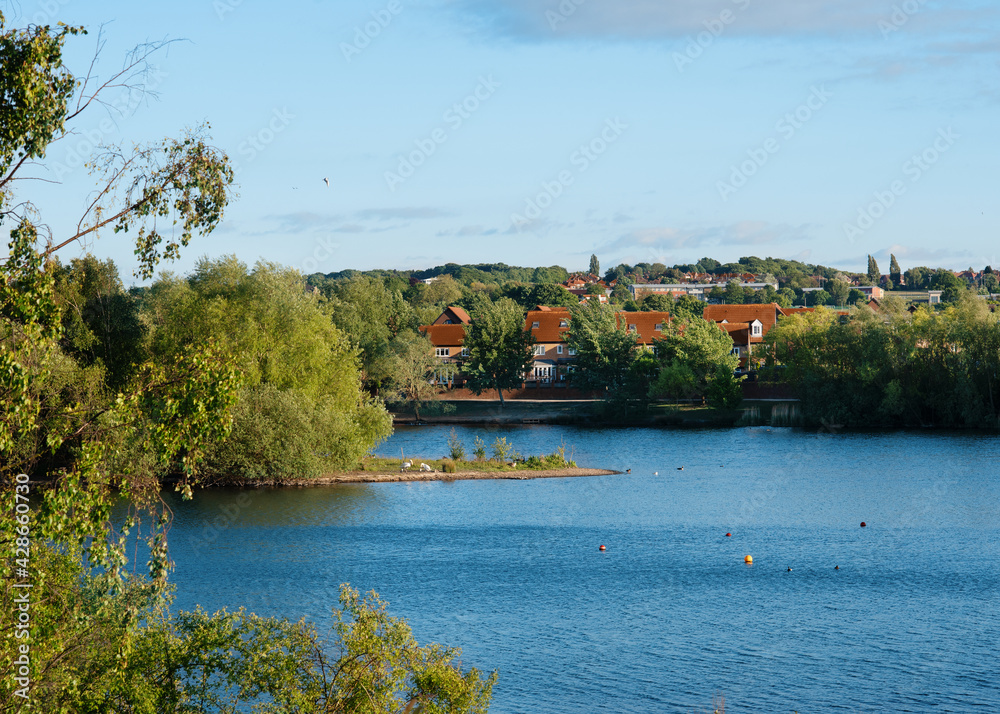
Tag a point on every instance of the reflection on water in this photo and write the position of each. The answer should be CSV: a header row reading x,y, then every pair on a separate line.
x,y
669,614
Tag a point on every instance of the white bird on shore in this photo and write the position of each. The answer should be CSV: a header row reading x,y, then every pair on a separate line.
x,y
406,465
425,467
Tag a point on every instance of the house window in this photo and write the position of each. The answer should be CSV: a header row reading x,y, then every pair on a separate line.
x,y
534,325
563,323
442,351
631,328
559,349
465,351
658,326
756,330
572,352
736,351
539,349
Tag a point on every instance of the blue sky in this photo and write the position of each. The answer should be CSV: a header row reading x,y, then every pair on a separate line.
x,y
537,132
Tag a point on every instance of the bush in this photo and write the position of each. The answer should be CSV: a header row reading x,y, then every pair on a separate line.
x,y
455,448
479,450
503,450
448,466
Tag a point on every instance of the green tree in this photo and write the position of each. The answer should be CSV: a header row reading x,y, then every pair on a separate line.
x,y
658,302
301,376
874,274
606,355
895,273
551,295
100,320
499,347
412,366
371,315
101,639
785,297
442,292
595,266
839,291
71,436
621,294
819,297
687,307
697,361
735,295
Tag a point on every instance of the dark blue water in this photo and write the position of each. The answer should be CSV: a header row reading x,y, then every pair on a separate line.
x,y
669,615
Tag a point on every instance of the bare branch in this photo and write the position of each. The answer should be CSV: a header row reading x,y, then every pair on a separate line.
x,y
136,66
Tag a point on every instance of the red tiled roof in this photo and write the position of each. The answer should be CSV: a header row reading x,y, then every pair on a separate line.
x,y
453,315
548,320
767,314
444,335
645,324
733,326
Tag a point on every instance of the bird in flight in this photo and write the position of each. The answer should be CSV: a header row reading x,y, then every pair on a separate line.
x,y
327,182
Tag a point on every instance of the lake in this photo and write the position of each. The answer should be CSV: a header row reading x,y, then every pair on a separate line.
x,y
669,615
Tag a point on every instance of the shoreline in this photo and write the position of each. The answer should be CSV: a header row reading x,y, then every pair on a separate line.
x,y
362,477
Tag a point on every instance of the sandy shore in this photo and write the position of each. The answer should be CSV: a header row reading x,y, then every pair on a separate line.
x,y
407,476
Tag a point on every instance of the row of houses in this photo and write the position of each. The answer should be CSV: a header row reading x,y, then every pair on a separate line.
x,y
552,361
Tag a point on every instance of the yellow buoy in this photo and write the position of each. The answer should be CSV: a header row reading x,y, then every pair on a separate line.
x,y
748,560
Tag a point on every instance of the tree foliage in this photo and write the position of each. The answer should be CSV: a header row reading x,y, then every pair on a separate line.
x,y
889,367
95,427
874,274
608,360
301,410
412,366
371,315
499,346
697,361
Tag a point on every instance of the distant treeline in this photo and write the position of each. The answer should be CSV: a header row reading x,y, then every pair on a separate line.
x,y
500,273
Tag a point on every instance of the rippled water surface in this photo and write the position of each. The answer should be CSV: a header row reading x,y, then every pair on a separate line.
x,y
669,615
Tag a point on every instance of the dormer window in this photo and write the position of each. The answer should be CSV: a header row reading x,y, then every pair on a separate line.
x,y
757,328
563,323
658,326
534,325
631,328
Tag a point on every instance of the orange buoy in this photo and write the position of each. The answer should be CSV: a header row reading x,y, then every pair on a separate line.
x,y
602,548
748,560
863,524
729,535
